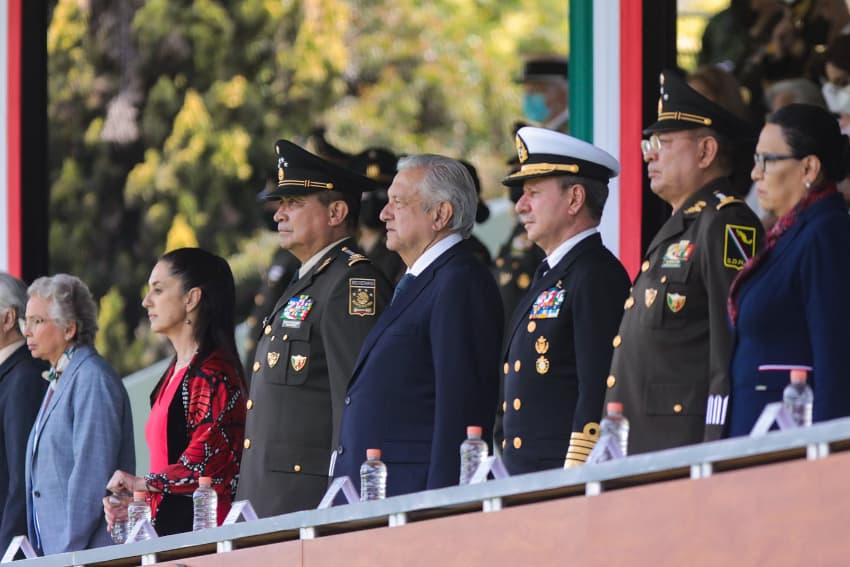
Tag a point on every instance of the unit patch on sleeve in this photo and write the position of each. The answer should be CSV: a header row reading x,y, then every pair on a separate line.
x,y
739,245
548,303
296,310
361,296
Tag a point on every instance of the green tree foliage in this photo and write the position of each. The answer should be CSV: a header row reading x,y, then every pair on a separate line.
x,y
163,116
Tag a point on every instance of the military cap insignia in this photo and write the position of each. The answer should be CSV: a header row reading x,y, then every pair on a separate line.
x,y
296,310
541,345
521,150
297,361
373,170
541,365
676,302
739,245
548,304
649,296
677,253
272,359
361,296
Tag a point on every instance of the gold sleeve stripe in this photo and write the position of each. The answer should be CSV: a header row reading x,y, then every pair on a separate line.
x,y
582,443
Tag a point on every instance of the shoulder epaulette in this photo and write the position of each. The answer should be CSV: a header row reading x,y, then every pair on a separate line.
x,y
353,257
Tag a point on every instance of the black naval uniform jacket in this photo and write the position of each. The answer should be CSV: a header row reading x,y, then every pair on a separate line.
x,y
304,359
556,358
671,357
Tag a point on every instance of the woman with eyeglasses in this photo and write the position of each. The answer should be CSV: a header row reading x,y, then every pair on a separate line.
x,y
789,305
84,429
197,421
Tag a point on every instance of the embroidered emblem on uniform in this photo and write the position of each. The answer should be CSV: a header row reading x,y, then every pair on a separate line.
x,y
649,296
541,345
696,208
677,253
297,361
739,245
542,365
361,296
548,304
272,359
675,302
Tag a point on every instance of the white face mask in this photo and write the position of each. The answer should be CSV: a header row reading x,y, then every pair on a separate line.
x,y
837,98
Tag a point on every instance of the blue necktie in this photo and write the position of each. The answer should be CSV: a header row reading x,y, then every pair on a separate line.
x,y
402,284
540,272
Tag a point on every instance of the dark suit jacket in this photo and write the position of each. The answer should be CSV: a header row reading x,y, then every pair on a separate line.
x,y
556,359
428,369
671,368
794,309
21,391
305,356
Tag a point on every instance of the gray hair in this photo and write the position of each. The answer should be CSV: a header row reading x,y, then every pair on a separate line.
x,y
596,193
446,180
799,90
13,295
70,300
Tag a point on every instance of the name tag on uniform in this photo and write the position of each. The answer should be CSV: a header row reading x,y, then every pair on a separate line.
x,y
548,304
296,310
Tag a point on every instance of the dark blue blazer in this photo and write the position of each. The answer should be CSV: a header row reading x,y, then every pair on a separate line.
x,y
21,391
427,369
795,309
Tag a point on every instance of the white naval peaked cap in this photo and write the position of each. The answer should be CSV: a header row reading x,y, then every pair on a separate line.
x,y
547,153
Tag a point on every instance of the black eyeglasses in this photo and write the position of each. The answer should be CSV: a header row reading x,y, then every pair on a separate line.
x,y
761,160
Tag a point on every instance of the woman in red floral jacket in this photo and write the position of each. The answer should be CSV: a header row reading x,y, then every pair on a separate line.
x,y
197,421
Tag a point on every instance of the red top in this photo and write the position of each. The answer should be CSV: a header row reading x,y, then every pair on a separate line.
x,y
156,429
212,399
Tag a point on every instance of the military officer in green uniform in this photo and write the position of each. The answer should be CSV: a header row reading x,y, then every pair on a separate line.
x,y
671,355
558,347
311,337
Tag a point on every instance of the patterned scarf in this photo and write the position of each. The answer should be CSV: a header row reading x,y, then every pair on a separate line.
x,y
55,372
782,225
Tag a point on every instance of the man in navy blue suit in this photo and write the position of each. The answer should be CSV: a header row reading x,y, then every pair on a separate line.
x,y
21,391
429,366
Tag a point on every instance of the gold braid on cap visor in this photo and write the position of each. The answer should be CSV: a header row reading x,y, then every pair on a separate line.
x,y
304,183
536,168
684,116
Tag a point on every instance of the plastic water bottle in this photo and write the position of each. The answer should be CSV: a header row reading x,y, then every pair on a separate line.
x,y
205,501
373,477
119,528
138,511
473,451
798,399
615,425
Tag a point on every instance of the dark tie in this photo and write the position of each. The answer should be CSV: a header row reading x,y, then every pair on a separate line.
x,y
540,272
402,284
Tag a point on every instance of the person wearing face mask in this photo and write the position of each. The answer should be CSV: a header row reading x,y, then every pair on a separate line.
x,y
836,89
546,92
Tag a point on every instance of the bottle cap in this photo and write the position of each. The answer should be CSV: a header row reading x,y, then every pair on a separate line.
x,y
139,494
798,375
205,480
473,431
373,454
615,407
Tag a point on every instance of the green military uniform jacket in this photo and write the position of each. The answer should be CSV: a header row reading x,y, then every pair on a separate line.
x,y
304,359
671,356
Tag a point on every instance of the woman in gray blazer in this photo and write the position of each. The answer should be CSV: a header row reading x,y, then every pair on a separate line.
x,y
84,429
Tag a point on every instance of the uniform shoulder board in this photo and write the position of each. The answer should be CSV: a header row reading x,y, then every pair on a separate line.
x,y
353,257
724,200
